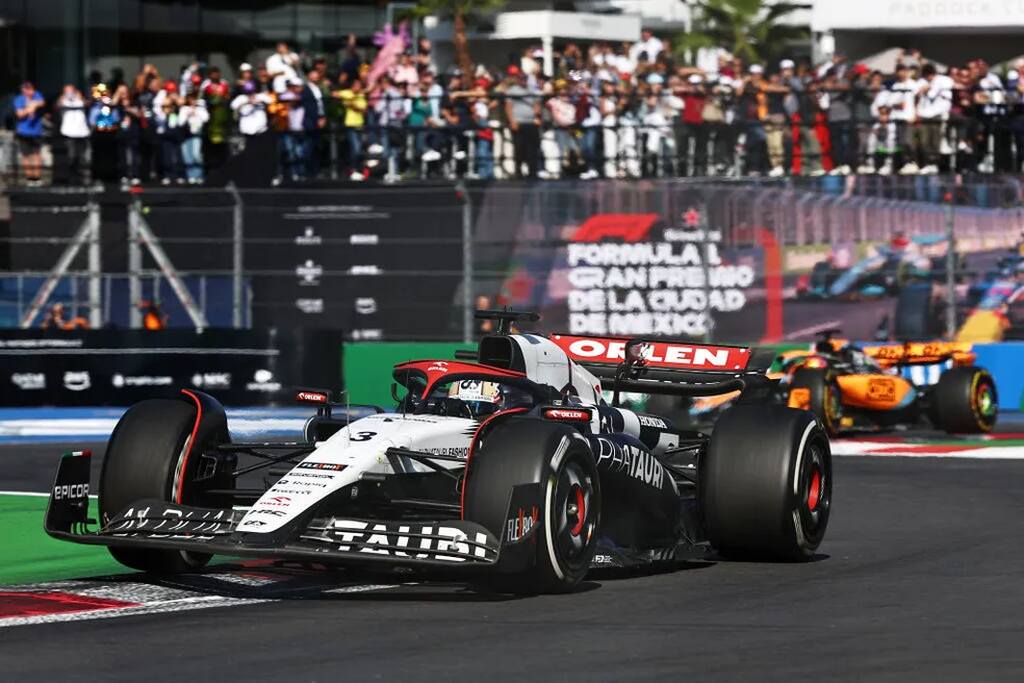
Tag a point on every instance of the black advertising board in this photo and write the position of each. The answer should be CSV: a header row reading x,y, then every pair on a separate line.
x,y
382,263
120,367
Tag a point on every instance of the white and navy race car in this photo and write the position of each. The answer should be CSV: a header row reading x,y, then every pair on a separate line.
x,y
507,462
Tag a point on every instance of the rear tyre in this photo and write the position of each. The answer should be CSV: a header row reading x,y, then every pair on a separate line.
x,y
144,459
965,401
816,390
766,484
521,451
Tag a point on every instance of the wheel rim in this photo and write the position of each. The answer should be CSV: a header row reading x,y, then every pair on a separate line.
x,y
574,516
815,494
831,408
814,490
984,402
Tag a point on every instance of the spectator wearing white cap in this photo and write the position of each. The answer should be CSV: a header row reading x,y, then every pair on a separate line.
x,y
246,75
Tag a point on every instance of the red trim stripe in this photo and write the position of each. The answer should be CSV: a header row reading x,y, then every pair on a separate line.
x,y
922,449
581,512
472,447
33,604
191,444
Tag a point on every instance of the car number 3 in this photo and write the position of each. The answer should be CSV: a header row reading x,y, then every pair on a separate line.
x,y
363,436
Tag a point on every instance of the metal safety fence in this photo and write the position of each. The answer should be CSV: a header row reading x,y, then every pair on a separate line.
x,y
709,258
647,133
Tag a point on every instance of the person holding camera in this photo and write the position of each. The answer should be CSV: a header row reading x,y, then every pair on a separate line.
x,y
28,108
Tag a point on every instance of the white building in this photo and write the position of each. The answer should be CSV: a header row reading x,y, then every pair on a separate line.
x,y
949,31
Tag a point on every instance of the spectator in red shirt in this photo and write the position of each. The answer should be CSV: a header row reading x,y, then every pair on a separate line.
x,y
693,129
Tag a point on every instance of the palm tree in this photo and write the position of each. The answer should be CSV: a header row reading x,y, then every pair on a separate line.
x,y
462,13
748,29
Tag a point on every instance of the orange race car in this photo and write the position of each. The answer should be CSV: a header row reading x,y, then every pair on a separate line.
x,y
880,387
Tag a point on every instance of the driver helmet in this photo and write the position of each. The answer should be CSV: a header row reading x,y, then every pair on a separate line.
x,y
482,397
899,241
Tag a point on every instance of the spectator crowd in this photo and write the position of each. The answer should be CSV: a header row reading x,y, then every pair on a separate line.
x,y
611,111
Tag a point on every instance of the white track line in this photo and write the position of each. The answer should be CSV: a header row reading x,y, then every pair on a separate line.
x,y
813,329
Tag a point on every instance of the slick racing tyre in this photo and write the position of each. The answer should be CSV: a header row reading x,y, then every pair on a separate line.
x,y
965,401
524,451
766,484
149,455
816,390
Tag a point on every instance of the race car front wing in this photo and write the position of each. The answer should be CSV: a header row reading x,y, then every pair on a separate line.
x,y
161,525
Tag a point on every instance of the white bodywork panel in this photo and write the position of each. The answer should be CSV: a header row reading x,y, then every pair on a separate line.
x,y
546,363
355,450
359,448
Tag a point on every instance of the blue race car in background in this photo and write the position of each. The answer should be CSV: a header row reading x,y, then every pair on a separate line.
x,y
881,274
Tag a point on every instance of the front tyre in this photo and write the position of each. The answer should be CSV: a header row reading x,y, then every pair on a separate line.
x,y
766,484
154,453
965,401
522,451
816,390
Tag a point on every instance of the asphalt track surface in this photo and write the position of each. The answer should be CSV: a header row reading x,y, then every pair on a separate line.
x,y
918,580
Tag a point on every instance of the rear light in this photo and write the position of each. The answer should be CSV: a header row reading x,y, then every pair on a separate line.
x,y
567,414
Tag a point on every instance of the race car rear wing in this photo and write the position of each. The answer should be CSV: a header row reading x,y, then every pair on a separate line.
x,y
921,353
658,366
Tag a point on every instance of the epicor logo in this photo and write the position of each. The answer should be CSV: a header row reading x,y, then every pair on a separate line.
x,y
70,491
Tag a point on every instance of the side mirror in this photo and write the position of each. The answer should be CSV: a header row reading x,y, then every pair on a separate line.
x,y
634,353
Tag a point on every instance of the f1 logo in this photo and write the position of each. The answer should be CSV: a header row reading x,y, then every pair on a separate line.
x,y
629,227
